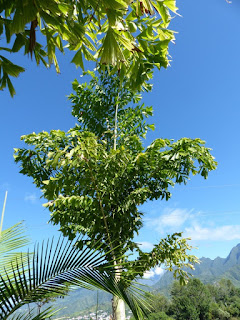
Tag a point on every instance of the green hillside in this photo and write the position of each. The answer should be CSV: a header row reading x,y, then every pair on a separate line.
x,y
209,271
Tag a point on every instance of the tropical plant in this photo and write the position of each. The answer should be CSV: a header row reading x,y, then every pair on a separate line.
x,y
97,174
11,240
53,270
132,36
50,271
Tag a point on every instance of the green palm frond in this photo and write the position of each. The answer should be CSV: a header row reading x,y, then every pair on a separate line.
x,y
51,269
12,239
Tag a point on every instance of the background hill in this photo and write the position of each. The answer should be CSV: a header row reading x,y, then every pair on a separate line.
x,y
208,271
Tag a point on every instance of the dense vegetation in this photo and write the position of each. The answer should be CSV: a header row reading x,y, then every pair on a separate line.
x,y
198,301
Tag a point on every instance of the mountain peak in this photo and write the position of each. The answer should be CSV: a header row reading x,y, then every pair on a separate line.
x,y
210,270
234,256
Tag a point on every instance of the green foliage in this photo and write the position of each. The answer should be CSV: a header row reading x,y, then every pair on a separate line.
x,y
191,302
94,188
159,316
159,302
131,36
160,307
12,239
226,300
94,106
197,301
53,270
49,273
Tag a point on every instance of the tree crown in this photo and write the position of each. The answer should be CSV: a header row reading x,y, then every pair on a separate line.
x,y
95,188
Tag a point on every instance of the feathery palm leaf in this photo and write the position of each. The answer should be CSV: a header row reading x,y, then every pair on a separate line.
x,y
51,269
11,239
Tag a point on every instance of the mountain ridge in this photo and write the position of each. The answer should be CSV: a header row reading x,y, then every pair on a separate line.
x,y
209,271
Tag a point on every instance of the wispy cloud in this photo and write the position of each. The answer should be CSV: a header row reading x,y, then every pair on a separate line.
x,y
31,197
195,225
227,232
171,218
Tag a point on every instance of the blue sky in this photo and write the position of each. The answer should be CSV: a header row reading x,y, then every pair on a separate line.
x,y
198,96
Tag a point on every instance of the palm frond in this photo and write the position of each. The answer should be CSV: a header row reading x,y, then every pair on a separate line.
x,y
51,269
11,239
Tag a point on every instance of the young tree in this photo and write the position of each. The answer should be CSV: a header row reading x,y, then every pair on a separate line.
x,y
97,174
132,36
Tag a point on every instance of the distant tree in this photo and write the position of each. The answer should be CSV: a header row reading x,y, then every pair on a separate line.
x,y
159,303
132,36
226,299
96,175
160,307
159,316
190,302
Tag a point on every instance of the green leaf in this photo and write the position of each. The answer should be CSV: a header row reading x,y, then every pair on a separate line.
x,y
77,59
18,43
116,4
110,52
10,87
11,69
171,4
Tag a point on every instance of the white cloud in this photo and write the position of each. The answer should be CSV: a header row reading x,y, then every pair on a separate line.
x,y
31,197
159,271
171,218
145,245
148,274
228,232
151,273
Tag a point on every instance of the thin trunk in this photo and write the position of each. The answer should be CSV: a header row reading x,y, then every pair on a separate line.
x,y
97,307
115,125
3,210
118,307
